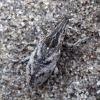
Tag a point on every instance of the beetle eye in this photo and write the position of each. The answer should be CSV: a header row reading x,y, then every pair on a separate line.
x,y
47,62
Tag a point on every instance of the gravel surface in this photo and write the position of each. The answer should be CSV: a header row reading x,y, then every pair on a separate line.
x,y
77,75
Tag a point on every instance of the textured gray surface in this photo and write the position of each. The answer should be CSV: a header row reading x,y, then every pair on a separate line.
x,y
78,70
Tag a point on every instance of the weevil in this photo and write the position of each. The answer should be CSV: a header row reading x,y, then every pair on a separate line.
x,y
44,58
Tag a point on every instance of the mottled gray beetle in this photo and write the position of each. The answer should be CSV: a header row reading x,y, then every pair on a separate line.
x,y
45,56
